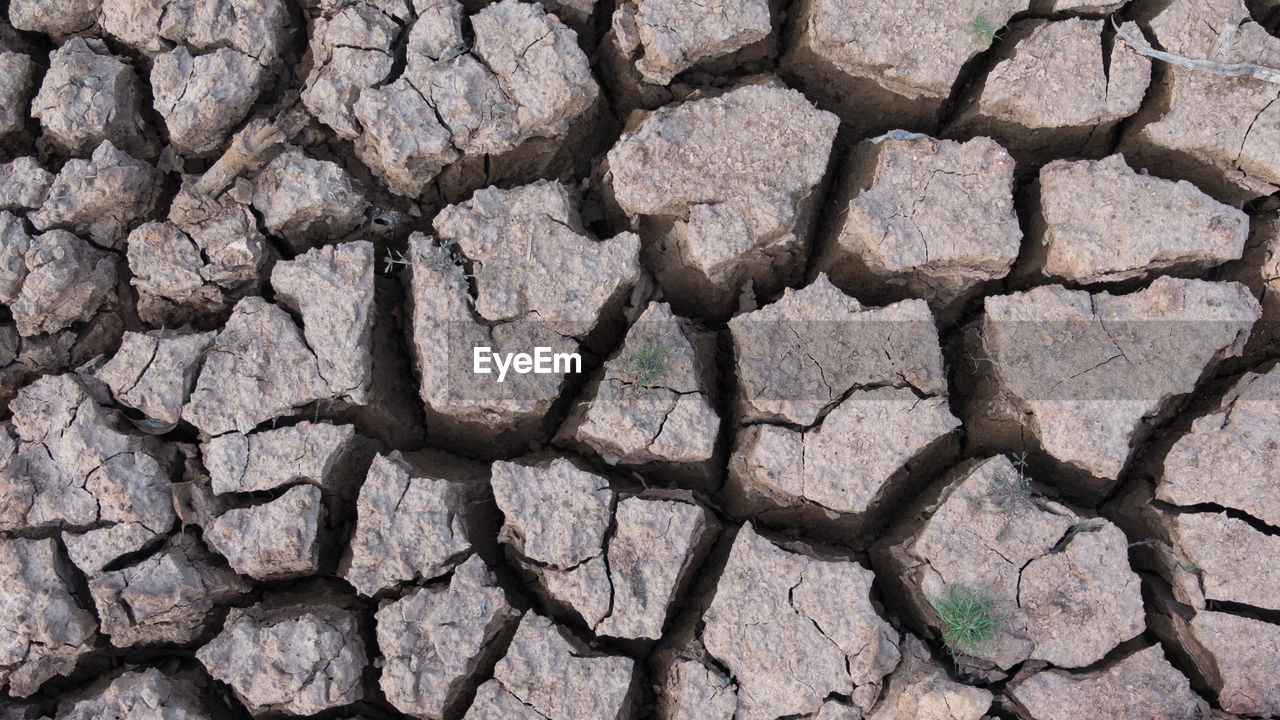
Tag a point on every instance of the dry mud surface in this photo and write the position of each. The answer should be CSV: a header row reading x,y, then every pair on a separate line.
x,y
886,360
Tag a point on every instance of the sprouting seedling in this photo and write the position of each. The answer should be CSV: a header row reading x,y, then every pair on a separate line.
x,y
981,30
648,363
977,361
1012,494
447,254
393,260
968,619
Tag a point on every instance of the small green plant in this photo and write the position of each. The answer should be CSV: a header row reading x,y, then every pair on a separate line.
x,y
1012,494
968,619
981,30
976,361
648,363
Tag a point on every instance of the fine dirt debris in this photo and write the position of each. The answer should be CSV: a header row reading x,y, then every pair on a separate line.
x,y
924,218
1099,221
1056,587
724,213
1056,89
1082,375
298,659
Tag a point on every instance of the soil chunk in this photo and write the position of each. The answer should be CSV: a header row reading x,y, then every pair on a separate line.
x,y
166,598
512,107
549,674
194,268
142,695
299,659
88,96
316,453
801,355
71,468
1058,586
593,553
44,631
1143,683
1083,375
1226,651
554,288
332,289
17,75
155,372
437,639
652,405
202,97
1234,441
923,218
844,467
1099,221
351,51
723,192
100,198
920,689
64,280
275,540
880,72
307,202
259,368
651,42
1053,92
412,522
794,629
1222,133
23,184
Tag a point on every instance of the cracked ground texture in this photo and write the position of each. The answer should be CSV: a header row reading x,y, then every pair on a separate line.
x,y
852,310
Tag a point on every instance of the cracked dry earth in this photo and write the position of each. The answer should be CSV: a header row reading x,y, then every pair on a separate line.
x,y
877,303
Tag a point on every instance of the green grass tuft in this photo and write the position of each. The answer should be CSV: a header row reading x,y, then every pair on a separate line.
x,y
968,619
648,363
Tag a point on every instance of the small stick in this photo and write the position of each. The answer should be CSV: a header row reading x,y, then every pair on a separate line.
x,y
1259,72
